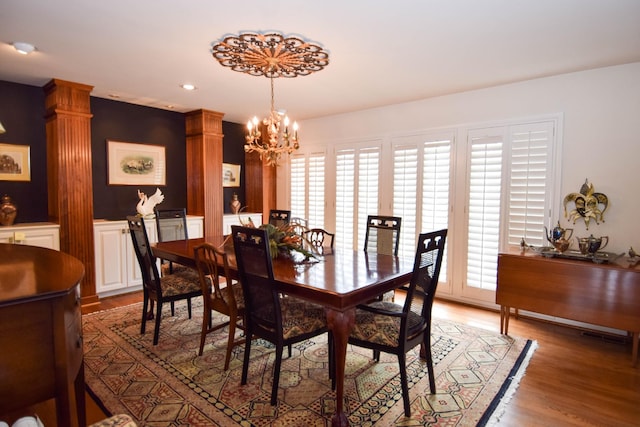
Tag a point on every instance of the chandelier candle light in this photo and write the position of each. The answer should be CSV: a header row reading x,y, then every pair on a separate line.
x,y
271,55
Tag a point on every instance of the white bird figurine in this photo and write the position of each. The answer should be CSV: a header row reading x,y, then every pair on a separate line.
x,y
146,204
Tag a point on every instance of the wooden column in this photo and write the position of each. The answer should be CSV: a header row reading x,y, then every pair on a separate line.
x,y
69,174
204,168
260,185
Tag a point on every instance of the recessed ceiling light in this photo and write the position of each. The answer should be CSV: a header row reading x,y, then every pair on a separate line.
x,y
24,48
188,86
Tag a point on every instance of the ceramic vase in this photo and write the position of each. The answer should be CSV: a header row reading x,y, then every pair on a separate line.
x,y
8,211
235,204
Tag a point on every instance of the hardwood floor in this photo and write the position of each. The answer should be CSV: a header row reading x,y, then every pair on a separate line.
x,y
573,379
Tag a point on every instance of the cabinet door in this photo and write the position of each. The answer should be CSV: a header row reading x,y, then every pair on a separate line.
x,y
46,237
112,243
194,227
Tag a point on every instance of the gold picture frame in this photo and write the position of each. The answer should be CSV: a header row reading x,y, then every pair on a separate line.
x,y
135,164
15,162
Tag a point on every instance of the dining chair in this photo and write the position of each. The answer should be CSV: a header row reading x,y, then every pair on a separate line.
x,y
171,224
213,264
320,238
279,217
281,320
159,289
385,326
383,236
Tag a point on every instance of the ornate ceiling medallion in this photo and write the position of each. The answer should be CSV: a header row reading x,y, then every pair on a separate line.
x,y
270,55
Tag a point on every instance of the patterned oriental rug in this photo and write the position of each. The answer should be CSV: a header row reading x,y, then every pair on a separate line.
x,y
170,385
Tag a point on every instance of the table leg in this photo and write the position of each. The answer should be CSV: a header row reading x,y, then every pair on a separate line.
x,y
634,351
505,313
341,323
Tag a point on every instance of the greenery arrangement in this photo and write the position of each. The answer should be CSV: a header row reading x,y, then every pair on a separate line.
x,y
285,239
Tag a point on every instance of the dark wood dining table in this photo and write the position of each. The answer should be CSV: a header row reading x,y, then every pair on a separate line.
x,y
339,280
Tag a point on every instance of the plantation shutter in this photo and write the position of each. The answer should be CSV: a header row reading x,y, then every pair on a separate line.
x,y
307,188
298,176
368,171
405,196
529,182
316,199
436,171
345,192
485,184
357,189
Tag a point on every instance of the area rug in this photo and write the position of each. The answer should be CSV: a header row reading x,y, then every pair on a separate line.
x,y
170,385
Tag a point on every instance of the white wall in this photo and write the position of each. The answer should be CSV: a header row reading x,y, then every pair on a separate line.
x,y
601,134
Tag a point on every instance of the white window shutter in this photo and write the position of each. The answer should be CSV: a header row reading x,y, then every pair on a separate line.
x,y
530,179
485,185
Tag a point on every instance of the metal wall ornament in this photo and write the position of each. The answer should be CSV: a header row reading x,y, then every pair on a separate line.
x,y
587,205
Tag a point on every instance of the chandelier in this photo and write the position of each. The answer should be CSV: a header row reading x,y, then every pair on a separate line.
x,y
270,55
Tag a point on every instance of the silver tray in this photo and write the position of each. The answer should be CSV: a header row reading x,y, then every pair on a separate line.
x,y
599,257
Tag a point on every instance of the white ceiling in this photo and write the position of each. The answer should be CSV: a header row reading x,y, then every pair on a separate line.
x,y
381,52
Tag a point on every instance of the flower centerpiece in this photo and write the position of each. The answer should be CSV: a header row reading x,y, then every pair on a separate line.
x,y
285,240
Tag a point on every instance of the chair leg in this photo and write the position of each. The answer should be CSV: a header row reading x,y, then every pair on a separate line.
x,y
156,332
230,340
276,376
376,355
289,350
245,363
173,309
189,307
150,312
145,305
404,384
206,321
429,357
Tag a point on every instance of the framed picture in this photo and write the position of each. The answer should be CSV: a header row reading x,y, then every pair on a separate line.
x,y
230,175
15,163
135,164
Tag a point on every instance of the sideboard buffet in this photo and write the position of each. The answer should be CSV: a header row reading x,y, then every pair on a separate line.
x,y
603,294
41,331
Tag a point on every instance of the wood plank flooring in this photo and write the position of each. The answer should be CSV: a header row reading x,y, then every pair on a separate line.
x,y
573,379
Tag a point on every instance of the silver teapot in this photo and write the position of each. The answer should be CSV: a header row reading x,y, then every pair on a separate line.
x,y
590,245
559,237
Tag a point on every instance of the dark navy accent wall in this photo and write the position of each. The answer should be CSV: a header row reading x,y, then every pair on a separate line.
x,y
22,115
119,121
233,152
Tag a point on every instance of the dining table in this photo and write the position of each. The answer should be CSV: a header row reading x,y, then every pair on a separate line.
x,y
339,280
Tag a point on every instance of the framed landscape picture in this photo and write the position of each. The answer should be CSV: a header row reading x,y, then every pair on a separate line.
x,y
135,164
230,175
14,163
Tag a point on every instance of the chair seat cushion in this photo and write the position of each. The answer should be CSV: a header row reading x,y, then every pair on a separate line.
x,y
383,329
167,268
183,282
300,317
236,288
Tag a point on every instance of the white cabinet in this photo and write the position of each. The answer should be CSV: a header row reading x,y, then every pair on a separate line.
x,y
234,219
43,234
117,269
